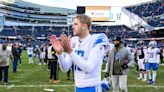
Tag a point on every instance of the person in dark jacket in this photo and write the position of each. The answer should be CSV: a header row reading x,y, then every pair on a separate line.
x,y
20,52
15,53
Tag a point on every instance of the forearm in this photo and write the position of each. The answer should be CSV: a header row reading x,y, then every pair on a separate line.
x,y
131,59
108,65
158,59
64,63
89,64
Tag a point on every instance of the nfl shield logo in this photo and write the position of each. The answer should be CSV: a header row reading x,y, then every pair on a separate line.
x,y
73,45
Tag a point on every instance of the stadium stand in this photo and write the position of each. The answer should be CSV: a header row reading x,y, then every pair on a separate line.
x,y
27,14
151,12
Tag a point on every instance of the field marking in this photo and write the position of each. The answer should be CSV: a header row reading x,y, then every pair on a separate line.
x,y
10,86
33,86
145,86
15,80
26,69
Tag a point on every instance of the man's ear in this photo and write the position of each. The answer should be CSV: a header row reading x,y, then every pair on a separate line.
x,y
84,26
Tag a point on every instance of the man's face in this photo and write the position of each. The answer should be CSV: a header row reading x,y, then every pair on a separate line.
x,y
116,43
77,27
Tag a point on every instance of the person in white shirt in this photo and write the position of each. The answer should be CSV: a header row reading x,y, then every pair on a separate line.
x,y
42,55
30,53
37,54
85,51
153,60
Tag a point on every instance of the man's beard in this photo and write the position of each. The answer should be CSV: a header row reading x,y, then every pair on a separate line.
x,y
3,48
117,45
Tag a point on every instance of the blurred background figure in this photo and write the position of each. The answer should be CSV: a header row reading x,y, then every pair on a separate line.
x,y
53,64
152,61
5,56
15,53
20,52
37,54
141,57
42,55
30,53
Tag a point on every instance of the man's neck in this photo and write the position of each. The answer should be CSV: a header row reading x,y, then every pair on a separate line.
x,y
85,34
118,47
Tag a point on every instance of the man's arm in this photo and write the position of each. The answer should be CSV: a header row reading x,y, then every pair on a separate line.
x,y
11,57
65,62
108,61
158,56
130,58
108,65
96,55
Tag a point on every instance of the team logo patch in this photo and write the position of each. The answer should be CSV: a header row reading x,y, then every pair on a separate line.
x,y
117,56
73,45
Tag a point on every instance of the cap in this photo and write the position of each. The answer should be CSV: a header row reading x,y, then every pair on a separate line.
x,y
118,39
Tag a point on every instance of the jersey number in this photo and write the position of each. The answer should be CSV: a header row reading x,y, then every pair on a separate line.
x,y
151,55
81,54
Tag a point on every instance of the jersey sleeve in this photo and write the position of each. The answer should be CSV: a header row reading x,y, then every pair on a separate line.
x,y
100,39
65,62
158,51
89,64
158,55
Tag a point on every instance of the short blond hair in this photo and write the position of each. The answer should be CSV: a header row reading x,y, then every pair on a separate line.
x,y
84,19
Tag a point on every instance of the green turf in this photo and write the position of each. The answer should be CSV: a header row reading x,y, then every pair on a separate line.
x,y
35,78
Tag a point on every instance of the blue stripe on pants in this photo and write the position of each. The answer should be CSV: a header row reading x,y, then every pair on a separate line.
x,y
86,89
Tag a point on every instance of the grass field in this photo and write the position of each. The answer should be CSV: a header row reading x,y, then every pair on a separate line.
x,y
35,78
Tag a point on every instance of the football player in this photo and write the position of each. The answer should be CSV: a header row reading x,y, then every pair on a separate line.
x,y
153,61
141,56
86,51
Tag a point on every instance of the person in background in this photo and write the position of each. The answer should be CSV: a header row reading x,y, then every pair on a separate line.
x,y
5,56
37,54
119,61
52,59
162,55
153,60
15,53
20,52
30,54
141,56
42,55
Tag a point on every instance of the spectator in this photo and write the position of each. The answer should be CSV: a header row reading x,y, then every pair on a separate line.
x,y
15,54
119,61
5,56
37,54
52,59
20,52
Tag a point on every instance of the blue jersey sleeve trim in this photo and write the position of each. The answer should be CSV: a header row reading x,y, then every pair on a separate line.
x,y
100,40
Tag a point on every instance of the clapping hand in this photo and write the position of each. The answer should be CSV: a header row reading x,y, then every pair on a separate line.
x,y
56,44
66,43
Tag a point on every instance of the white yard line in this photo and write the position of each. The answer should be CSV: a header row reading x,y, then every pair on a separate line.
x,y
145,86
33,86
10,86
25,69
14,81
